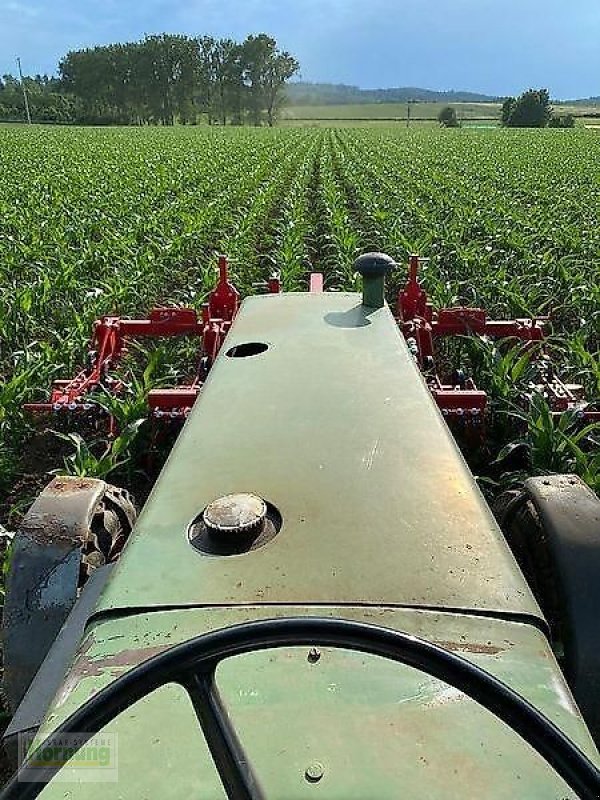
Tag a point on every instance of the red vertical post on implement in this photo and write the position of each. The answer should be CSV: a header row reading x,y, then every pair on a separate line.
x,y
412,300
224,299
274,284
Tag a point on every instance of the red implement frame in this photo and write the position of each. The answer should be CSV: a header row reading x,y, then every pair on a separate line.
x,y
418,321
109,342
421,325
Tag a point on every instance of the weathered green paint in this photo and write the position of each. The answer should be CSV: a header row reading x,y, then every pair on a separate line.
x,y
380,730
334,426
161,754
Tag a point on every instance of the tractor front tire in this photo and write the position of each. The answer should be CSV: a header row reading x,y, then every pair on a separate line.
x,y
553,528
74,526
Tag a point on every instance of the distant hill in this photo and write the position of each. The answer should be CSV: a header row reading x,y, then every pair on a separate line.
x,y
587,101
324,94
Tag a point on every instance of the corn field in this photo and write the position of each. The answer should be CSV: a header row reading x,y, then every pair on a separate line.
x,y
97,221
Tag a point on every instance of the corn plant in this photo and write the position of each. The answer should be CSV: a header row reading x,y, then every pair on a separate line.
x,y
87,461
556,442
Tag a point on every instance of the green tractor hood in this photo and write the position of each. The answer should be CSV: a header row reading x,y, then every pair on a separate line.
x,y
380,521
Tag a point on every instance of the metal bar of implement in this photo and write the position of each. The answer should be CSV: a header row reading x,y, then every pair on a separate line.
x,y
172,326
467,321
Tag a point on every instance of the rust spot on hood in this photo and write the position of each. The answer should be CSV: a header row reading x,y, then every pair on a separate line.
x,y
86,667
103,666
472,647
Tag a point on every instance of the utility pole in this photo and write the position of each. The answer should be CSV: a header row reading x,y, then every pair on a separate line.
x,y
24,91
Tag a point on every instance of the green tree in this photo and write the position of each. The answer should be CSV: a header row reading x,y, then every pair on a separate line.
x,y
47,102
447,118
228,72
280,68
266,70
206,76
508,108
220,79
531,110
90,76
256,52
236,90
168,64
9,82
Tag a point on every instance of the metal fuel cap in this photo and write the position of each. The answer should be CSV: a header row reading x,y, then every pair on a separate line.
x,y
235,514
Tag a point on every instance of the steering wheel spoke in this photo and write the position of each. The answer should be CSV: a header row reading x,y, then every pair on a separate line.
x,y
228,754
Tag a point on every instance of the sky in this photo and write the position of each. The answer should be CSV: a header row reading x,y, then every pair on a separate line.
x,y
496,47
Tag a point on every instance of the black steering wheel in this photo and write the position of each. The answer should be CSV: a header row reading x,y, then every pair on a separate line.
x,y
193,665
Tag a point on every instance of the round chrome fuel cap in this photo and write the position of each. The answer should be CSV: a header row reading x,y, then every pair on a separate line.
x,y
235,514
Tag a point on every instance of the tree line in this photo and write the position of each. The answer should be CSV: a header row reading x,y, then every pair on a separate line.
x,y
46,99
160,80
532,109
